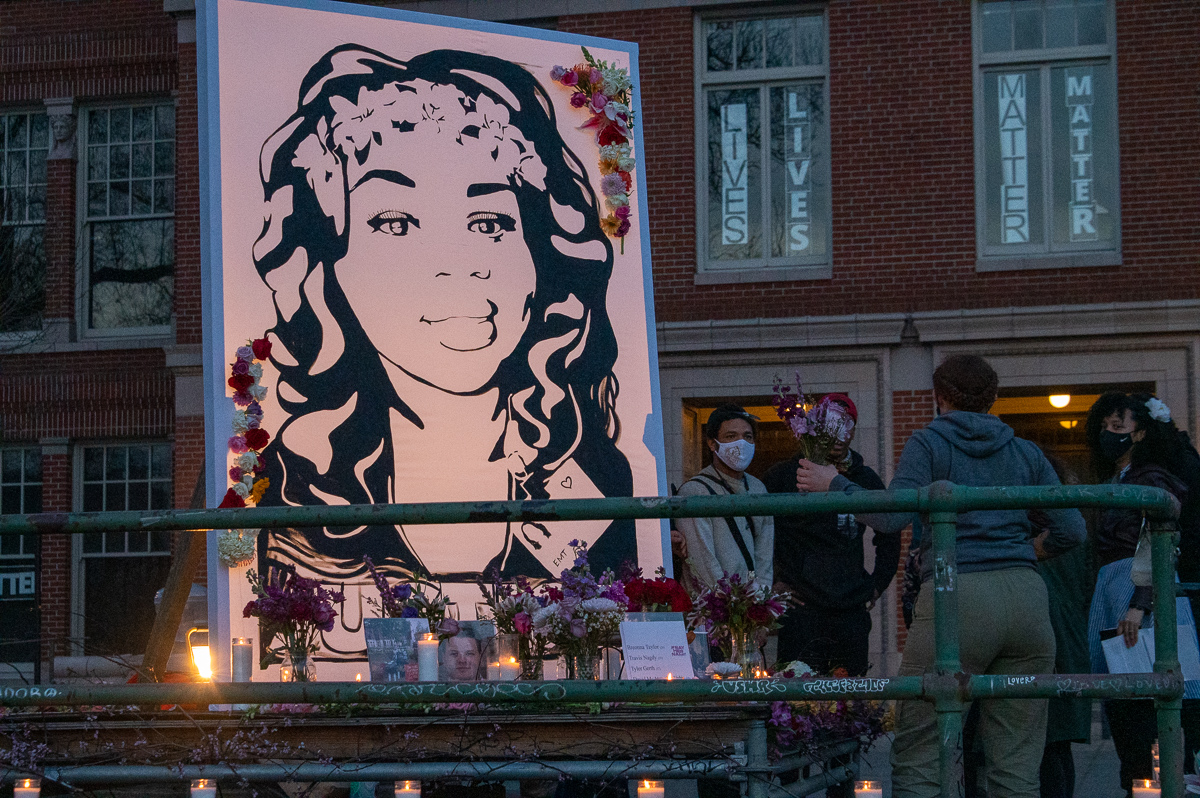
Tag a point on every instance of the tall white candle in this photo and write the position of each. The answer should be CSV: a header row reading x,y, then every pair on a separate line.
x,y
204,788
509,669
243,659
868,789
27,788
1146,788
427,657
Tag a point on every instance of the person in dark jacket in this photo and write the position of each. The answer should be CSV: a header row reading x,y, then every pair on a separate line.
x,y
1003,611
819,560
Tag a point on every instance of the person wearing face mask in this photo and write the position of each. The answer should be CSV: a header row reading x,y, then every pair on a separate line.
x,y
819,560
1133,441
737,545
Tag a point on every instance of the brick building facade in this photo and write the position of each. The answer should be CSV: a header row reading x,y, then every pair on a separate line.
x,y
1020,180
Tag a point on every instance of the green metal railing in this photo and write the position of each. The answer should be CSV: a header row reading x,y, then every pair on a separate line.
x,y
946,687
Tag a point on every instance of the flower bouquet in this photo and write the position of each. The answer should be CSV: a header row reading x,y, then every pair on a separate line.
x,y
513,606
736,613
809,725
296,610
582,615
408,600
235,547
819,425
660,594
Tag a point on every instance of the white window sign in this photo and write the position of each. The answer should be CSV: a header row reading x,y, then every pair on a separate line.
x,y
734,174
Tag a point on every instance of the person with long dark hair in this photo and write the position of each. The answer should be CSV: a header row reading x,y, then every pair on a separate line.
x,y
440,278
1133,441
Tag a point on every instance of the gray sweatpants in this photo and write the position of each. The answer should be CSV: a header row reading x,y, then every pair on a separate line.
x,y
1004,628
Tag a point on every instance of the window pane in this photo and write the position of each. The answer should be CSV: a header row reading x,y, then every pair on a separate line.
x,y
139,496
1060,23
1027,25
39,131
143,124
118,162
160,541
33,500
114,542
138,541
10,499
735,179
97,166
720,46
164,158
160,462
1091,22
93,543
143,160
997,27
779,42
164,122
1012,158
97,127
1081,151
22,276
114,463
139,462
33,465
164,196
750,44
114,497
118,126
810,40
799,195
10,465
143,199
93,498
93,463
160,496
10,544
131,268
18,132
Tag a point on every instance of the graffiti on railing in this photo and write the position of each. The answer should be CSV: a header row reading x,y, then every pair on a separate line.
x,y
546,691
29,692
748,686
824,686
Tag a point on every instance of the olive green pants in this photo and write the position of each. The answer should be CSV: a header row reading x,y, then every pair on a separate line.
x,y
1004,628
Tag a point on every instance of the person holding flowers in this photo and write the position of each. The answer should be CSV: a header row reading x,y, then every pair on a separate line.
x,y
720,547
819,560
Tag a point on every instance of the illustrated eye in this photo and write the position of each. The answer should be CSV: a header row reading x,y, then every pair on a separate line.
x,y
393,223
492,225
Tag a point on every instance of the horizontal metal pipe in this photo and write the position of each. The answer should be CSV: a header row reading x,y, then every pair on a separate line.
x,y
699,691
1156,502
390,771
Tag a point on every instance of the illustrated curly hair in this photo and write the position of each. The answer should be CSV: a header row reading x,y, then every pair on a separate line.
x,y
967,382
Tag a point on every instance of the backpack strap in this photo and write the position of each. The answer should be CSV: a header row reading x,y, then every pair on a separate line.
x,y
734,530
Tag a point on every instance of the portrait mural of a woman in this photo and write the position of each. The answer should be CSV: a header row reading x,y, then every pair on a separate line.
x,y
440,282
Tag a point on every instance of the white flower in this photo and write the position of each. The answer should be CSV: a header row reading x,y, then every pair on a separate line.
x,y
798,667
599,605
1158,410
545,614
247,461
256,370
241,489
723,669
616,80
615,201
259,392
240,424
236,547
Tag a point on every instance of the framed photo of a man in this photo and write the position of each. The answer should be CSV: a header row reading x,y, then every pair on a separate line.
x,y
409,209
463,658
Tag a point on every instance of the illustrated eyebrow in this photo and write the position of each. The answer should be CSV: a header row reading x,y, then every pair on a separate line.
x,y
390,175
481,189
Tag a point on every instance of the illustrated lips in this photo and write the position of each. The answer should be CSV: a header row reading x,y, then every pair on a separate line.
x,y
464,333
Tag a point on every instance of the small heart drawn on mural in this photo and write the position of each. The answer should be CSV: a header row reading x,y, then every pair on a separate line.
x,y
566,483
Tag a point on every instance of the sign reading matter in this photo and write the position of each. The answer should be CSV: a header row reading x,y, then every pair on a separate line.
x,y
408,207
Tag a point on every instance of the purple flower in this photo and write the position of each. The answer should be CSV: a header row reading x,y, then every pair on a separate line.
x,y
622,212
240,367
623,228
237,445
578,627
236,474
598,102
448,627
557,73
523,623
570,78
612,184
245,353
409,612
578,99
595,76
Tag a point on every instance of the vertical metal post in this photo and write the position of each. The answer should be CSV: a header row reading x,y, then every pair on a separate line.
x,y
758,766
947,702
1163,539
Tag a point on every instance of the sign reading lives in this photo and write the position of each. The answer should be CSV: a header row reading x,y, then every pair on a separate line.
x,y
413,213
656,650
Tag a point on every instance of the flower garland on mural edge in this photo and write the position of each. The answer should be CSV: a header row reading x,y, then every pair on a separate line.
x,y
605,90
235,547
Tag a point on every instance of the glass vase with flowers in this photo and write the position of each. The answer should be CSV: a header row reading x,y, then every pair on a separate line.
x,y
296,611
418,598
512,606
738,613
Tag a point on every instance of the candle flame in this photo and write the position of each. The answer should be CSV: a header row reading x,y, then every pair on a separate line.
x,y
358,677
670,677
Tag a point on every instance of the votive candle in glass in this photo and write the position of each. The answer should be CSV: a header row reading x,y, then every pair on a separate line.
x,y
27,788
407,789
868,789
242,657
651,789
1146,788
427,657
204,788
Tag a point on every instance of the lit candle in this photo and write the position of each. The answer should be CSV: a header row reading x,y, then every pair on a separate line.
x,y
493,671
204,788
868,789
407,789
427,657
285,673
358,677
27,788
670,677
1146,788
651,789
509,669
243,659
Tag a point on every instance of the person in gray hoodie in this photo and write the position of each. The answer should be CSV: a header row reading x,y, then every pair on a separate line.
x,y
1003,614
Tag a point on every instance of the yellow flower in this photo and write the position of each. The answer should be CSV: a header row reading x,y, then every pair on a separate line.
x,y
609,225
608,165
260,488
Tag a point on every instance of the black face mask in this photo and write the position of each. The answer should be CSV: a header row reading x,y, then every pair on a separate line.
x,y
1113,444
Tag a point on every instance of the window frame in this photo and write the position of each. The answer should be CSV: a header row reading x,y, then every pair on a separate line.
x,y
83,287
78,556
765,268
990,257
17,336
31,559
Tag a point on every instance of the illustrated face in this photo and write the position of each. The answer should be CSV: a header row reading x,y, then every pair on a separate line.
x,y
462,659
458,279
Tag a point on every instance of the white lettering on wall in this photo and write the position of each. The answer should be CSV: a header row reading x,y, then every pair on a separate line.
x,y
17,584
1014,160
1082,203
798,141
735,178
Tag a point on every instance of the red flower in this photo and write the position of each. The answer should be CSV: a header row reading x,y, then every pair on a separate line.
x,y
256,439
240,382
610,134
628,178
232,499
759,614
261,347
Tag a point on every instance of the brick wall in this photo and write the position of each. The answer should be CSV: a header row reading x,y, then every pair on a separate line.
x,y
54,584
